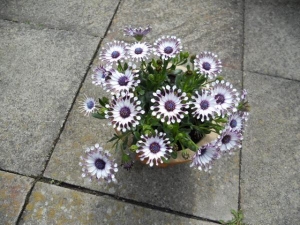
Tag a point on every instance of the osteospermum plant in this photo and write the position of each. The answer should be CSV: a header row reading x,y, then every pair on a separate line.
x,y
163,102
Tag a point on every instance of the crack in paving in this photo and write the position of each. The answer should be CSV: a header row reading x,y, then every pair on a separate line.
x,y
36,26
243,61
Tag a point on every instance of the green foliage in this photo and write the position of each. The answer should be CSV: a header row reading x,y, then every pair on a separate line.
x,y
154,75
236,220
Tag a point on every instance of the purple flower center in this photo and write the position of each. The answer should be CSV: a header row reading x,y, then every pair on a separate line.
x,y
206,66
202,151
170,105
125,112
226,139
90,104
154,147
100,164
233,123
168,50
123,81
220,98
115,54
138,51
204,105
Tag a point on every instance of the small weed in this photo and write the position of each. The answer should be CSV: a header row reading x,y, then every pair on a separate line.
x,y
55,182
236,220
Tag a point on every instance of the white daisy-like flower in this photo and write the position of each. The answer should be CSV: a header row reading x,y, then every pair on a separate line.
x,y
204,105
137,33
124,112
236,121
116,82
205,155
167,47
226,97
99,75
153,148
208,64
114,52
169,104
87,105
229,140
97,164
139,51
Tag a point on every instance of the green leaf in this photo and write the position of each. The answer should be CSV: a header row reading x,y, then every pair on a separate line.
x,y
104,101
174,155
136,135
98,116
141,92
116,137
125,66
125,158
191,145
150,69
165,160
153,62
120,68
182,62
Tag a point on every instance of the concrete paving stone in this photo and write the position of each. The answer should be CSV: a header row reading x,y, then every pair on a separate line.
x,y
50,204
89,17
270,184
272,38
214,25
40,72
13,191
180,188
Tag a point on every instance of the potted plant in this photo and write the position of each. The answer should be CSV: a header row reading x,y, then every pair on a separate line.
x,y
164,103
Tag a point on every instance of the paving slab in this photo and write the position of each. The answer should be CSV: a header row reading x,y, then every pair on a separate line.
x,y
214,25
40,73
50,204
88,17
13,191
209,195
272,38
270,184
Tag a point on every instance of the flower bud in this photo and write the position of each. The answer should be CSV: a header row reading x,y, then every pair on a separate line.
x,y
188,73
159,62
193,57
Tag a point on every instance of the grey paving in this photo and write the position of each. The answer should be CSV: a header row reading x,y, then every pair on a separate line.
x,y
213,25
45,50
55,205
272,34
88,17
13,192
271,153
40,72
